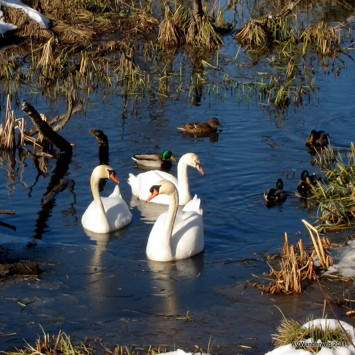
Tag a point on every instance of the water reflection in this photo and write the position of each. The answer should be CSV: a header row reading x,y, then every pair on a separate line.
x,y
102,141
101,240
167,278
149,211
57,184
212,137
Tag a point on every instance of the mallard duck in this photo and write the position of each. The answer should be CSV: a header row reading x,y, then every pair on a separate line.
x,y
277,195
155,161
304,187
317,139
201,128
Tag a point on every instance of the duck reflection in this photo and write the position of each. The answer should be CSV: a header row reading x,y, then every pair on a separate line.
x,y
212,136
167,278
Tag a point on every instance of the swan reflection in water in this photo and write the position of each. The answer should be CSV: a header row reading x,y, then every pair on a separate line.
x,y
102,240
168,279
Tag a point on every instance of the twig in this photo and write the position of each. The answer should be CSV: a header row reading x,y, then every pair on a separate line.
x,y
6,225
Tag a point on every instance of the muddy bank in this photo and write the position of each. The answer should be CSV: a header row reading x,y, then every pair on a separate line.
x,y
15,267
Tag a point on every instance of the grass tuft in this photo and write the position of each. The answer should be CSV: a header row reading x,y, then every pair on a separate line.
x,y
292,331
335,197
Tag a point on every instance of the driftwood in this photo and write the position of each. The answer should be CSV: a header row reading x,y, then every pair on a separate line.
x,y
7,212
62,144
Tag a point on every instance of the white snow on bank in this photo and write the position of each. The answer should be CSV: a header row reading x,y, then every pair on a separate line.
x,y
31,13
182,352
324,324
345,264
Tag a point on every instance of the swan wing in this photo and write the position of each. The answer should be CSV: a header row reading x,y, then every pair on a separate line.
x,y
194,205
117,212
117,215
188,235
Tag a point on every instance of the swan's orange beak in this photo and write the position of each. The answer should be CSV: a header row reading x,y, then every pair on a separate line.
x,y
154,194
114,178
199,168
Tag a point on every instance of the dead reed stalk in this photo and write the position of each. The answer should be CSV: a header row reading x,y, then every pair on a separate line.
x,y
7,133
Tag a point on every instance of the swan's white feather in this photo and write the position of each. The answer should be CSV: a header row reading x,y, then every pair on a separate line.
x,y
194,205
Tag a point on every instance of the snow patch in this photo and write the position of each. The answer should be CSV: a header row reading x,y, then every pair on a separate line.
x,y
345,264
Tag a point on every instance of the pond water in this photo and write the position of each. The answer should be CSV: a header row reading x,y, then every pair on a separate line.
x,y
104,286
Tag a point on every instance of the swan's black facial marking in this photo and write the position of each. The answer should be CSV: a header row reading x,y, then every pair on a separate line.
x,y
111,173
155,187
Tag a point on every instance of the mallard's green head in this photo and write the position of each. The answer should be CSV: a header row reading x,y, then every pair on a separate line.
x,y
167,155
279,184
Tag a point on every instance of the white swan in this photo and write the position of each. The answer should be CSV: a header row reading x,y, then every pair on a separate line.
x,y
176,234
105,214
141,183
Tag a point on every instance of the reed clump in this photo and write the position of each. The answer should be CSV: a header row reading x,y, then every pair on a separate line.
x,y
336,196
172,28
325,38
277,31
261,35
201,32
296,266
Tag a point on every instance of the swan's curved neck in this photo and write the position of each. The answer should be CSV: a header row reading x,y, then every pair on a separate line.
x,y
94,182
170,219
183,183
